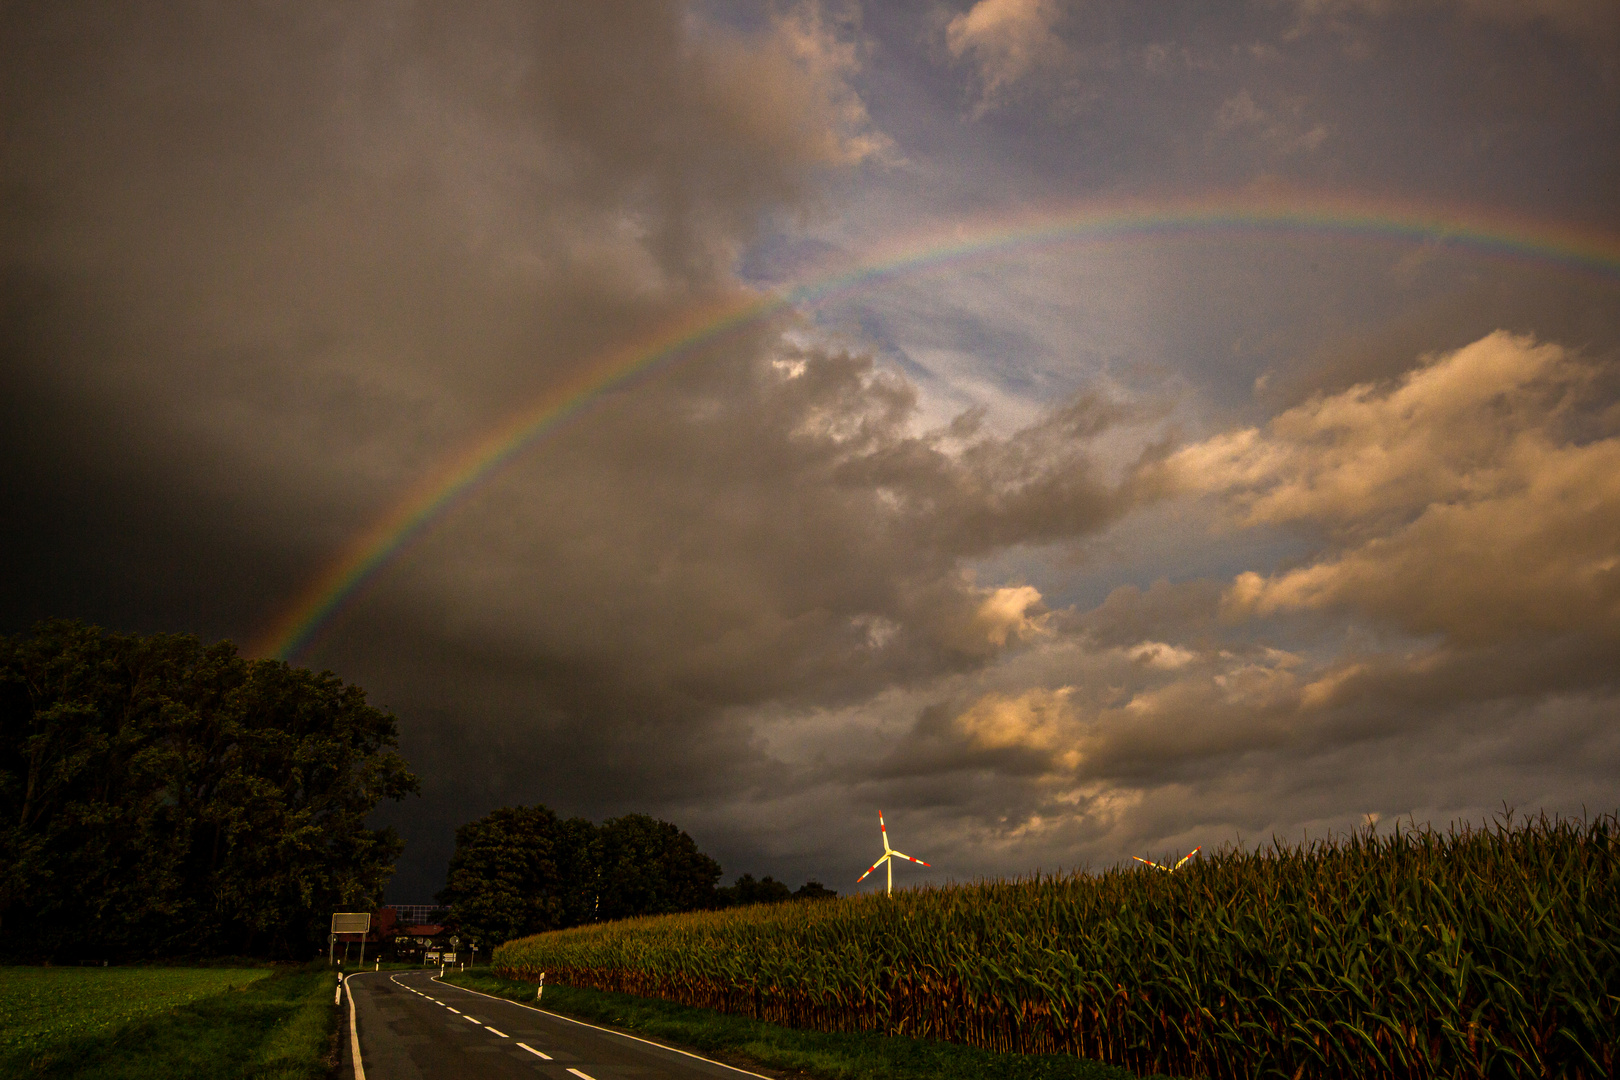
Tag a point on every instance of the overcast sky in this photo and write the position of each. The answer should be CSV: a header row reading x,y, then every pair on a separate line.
x,y
1057,554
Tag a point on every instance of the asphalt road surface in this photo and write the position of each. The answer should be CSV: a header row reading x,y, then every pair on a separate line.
x,y
412,1027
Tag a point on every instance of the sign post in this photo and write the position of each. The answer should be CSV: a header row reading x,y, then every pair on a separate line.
x,y
350,922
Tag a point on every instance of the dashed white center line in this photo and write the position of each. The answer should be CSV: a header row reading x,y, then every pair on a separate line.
x,y
536,1053
502,1034
453,1009
582,1076
480,1023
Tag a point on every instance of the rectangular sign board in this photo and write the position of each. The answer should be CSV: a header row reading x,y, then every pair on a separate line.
x,y
432,956
357,922
448,957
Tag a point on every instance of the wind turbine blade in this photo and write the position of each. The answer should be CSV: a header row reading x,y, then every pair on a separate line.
x,y
919,862
1189,855
871,868
1150,862
884,829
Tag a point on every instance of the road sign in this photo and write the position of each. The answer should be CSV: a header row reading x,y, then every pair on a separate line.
x,y
351,922
348,922
448,957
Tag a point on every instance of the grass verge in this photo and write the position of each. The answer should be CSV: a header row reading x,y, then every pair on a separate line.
x,y
278,1027
825,1055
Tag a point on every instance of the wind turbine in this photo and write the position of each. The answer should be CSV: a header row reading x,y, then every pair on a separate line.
x,y
888,853
1170,869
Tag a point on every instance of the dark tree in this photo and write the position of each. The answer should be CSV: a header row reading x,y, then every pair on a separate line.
x,y
650,867
814,890
159,797
767,890
519,871
578,856
522,870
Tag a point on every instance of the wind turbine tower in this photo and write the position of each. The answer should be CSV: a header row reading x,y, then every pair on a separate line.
x,y
889,854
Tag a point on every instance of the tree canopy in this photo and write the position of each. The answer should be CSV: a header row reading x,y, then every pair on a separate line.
x,y
814,890
162,797
747,890
523,870
650,867
767,890
511,875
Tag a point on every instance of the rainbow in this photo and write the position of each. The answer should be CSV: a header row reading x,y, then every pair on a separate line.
x,y
1494,235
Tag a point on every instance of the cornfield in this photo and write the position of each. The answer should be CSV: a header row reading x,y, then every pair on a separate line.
x,y
1478,952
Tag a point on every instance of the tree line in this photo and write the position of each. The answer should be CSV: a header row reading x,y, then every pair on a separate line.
x,y
524,870
163,798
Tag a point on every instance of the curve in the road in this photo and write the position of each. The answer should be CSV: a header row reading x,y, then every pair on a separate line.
x,y
401,1031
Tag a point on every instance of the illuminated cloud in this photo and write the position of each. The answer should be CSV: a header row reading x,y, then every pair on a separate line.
x,y
1007,40
1005,613
1036,720
827,47
1477,496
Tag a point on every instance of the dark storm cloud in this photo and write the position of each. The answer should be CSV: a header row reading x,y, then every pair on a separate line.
x,y
277,261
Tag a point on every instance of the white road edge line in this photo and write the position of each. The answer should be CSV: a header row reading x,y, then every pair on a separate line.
x,y
610,1031
354,1032
535,1052
502,1034
582,1076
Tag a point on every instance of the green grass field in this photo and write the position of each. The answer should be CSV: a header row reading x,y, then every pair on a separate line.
x,y
828,1056
41,1007
165,1023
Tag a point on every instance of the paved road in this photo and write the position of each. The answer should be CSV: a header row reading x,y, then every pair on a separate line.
x,y
413,1027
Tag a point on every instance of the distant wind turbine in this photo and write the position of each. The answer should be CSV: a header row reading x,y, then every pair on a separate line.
x,y
1170,869
888,854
